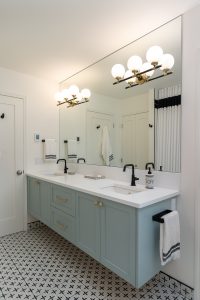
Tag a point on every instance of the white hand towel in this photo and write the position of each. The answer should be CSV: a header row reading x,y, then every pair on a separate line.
x,y
72,149
170,238
106,149
50,149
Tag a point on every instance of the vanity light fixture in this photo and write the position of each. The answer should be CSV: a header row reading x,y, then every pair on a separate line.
x,y
139,73
72,96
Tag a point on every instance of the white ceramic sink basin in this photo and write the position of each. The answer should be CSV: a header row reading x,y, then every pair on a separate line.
x,y
124,190
55,174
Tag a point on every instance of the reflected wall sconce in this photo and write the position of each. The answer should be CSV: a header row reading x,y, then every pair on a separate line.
x,y
138,72
72,96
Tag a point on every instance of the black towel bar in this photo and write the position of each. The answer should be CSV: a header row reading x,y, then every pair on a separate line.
x,y
77,139
158,217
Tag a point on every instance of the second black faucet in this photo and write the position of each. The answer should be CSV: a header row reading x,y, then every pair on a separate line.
x,y
65,166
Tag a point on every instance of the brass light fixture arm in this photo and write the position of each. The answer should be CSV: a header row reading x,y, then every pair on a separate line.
x,y
137,74
133,85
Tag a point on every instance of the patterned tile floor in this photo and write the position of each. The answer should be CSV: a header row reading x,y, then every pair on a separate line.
x,y
40,264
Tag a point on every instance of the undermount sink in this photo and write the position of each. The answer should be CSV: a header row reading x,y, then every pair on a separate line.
x,y
55,174
124,190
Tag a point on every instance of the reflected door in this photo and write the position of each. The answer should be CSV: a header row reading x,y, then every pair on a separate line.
x,y
135,139
11,165
95,123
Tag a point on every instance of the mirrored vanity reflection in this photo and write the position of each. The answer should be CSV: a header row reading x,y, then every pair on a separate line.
x,y
136,125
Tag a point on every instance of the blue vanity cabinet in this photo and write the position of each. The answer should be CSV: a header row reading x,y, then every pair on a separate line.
x,y
147,242
118,233
130,240
34,203
45,200
39,199
123,238
88,224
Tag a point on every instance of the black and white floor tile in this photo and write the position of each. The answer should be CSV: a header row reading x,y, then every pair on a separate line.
x,y
40,264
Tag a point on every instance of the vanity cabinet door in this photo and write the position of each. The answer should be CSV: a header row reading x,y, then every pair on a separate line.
x,y
45,198
88,224
34,204
118,239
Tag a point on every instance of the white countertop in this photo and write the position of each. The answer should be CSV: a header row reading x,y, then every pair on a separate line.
x,y
96,187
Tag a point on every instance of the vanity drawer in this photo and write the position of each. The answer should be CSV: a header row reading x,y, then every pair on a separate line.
x,y
64,199
63,224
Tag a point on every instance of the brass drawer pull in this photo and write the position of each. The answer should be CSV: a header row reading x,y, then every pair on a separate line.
x,y
61,225
61,200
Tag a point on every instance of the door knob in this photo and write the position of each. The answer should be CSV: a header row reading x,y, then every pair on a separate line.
x,y
19,172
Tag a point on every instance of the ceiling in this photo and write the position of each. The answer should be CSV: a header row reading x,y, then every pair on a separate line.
x,y
54,39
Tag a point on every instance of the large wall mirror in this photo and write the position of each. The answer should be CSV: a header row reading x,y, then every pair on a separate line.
x,y
142,123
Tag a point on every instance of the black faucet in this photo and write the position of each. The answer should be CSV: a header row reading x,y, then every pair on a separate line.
x,y
133,178
65,168
149,164
79,159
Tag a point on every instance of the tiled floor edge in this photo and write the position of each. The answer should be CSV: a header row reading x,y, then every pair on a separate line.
x,y
185,290
34,224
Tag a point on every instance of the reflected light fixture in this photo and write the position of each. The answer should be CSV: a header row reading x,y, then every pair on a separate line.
x,y
138,72
72,96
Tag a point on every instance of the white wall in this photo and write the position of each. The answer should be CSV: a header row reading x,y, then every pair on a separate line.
x,y
184,269
41,112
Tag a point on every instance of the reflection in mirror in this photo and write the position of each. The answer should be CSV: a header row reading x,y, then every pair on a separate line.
x,y
118,125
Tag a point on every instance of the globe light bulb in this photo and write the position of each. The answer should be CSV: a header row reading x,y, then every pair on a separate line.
x,y
146,66
118,71
134,63
131,80
154,55
79,97
66,94
73,90
58,97
86,94
167,62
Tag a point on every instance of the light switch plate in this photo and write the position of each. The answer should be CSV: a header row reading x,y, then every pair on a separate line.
x,y
36,137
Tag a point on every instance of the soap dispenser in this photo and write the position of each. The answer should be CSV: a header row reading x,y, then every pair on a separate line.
x,y
149,179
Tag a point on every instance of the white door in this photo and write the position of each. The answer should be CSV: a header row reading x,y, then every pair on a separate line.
x,y
11,165
135,139
128,140
95,123
142,140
